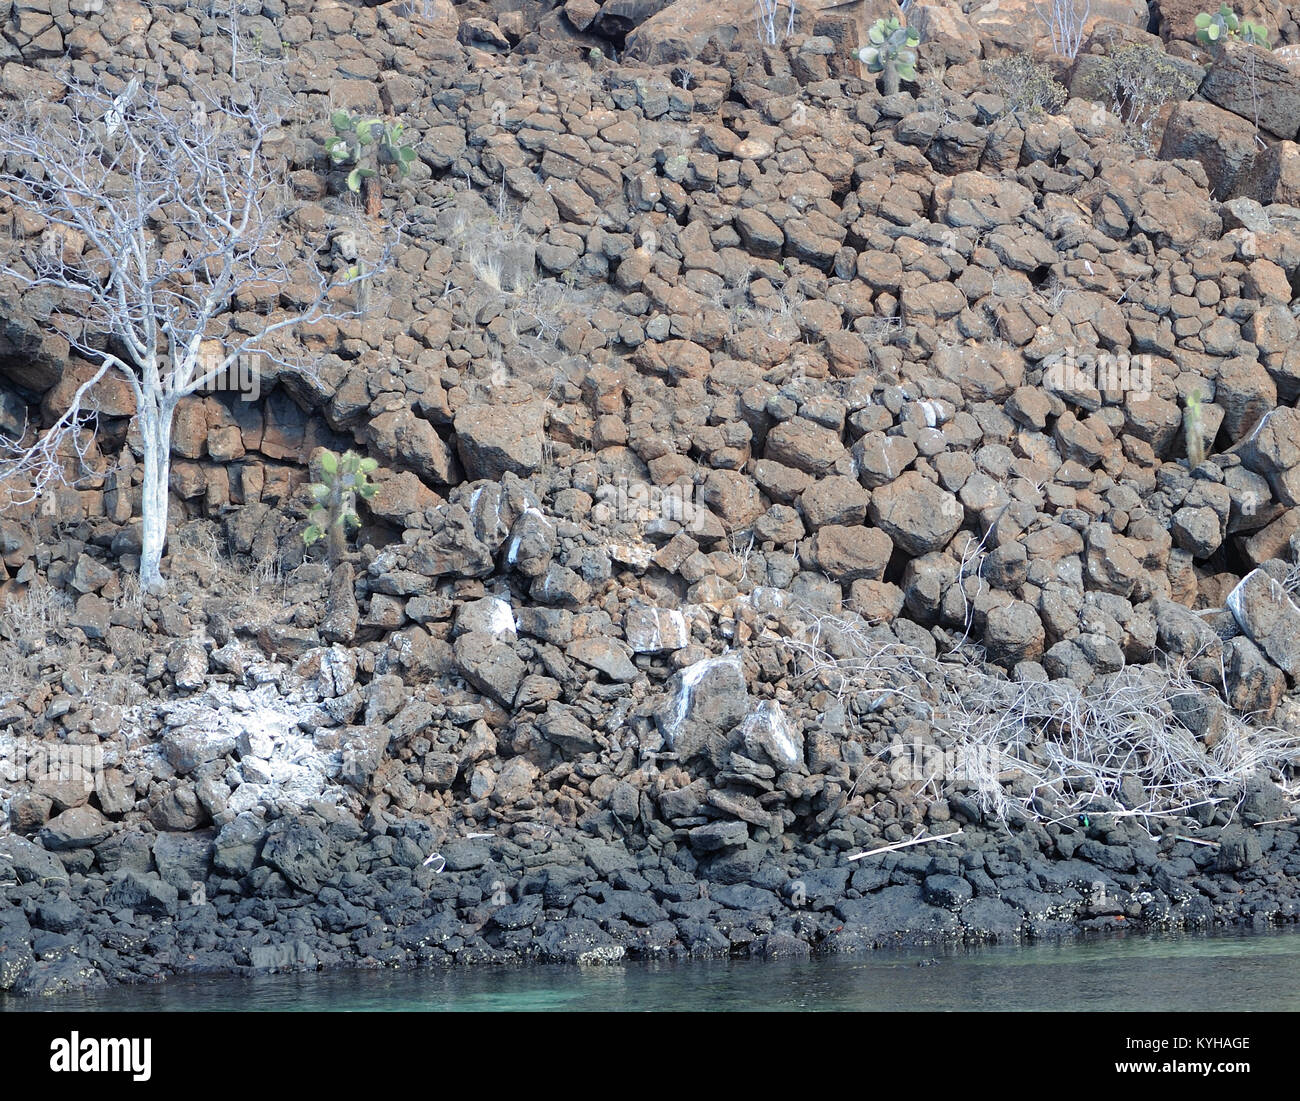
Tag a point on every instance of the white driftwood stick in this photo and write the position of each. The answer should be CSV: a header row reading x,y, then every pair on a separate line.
x,y
1195,841
904,845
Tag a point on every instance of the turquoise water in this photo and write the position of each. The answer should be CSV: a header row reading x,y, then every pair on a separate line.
x,y
1258,971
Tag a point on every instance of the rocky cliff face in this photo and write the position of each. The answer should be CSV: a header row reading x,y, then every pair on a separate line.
x,y
770,471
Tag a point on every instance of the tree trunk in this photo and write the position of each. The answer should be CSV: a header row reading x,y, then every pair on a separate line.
x,y
372,194
156,436
889,79
337,544
334,531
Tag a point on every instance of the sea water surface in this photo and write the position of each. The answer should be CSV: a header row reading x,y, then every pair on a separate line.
x,y
1222,972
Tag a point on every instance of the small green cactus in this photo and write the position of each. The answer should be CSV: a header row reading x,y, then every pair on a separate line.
x,y
1194,431
334,511
1254,33
1216,28
367,144
891,50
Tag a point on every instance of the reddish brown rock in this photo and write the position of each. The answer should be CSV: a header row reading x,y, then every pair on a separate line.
x,y
916,514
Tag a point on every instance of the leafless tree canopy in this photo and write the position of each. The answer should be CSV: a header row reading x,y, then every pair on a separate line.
x,y
1065,21
155,220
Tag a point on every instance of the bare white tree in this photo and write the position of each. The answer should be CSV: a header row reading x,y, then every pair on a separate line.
x,y
767,15
1065,20
158,229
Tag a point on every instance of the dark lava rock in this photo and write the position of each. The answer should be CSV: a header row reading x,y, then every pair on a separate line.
x,y
946,890
1239,848
464,856
740,896
991,919
15,962
61,976
235,848
79,828
298,851
60,915
145,894
29,863
518,915
296,955
897,913
775,946
719,835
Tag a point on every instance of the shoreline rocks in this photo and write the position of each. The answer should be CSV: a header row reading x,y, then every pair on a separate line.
x,y
771,470
317,891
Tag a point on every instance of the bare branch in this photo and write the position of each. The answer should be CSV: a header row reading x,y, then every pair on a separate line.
x,y
1065,21
29,470
159,212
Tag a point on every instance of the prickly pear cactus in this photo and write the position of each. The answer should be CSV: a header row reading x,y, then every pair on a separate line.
x,y
1214,29
891,50
344,479
367,144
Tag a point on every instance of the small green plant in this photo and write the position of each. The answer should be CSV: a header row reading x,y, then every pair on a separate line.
x,y
1255,33
368,144
1217,28
891,50
345,478
1142,79
1026,85
1194,431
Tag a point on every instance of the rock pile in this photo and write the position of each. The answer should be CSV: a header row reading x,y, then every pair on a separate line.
x,y
735,423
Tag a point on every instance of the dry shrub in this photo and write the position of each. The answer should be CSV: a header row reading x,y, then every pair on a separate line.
x,y
1050,749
